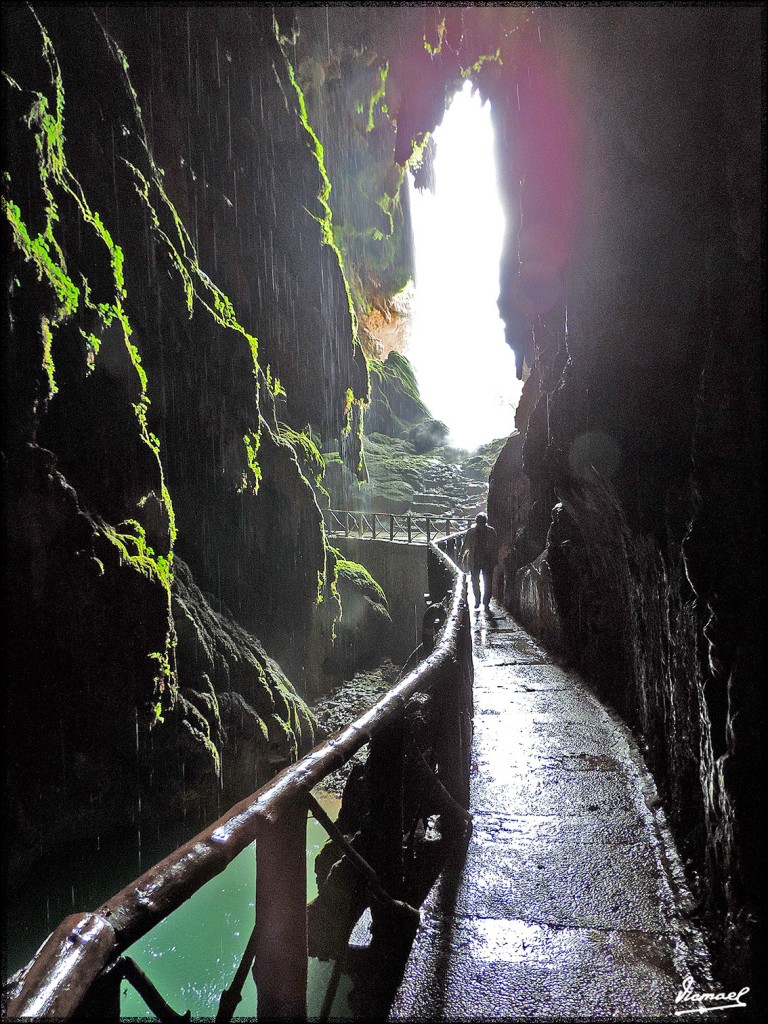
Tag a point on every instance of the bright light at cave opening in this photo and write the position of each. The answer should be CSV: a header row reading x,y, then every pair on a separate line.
x,y
465,369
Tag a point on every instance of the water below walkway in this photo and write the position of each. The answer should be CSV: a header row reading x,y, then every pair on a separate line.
x,y
570,901
192,955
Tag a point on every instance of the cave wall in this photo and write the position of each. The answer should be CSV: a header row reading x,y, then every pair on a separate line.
x,y
377,80
227,125
633,282
176,318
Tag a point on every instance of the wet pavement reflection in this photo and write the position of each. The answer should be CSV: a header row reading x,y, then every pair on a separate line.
x,y
568,900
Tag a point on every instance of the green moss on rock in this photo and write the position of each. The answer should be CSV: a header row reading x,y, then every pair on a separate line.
x,y
218,658
359,578
480,463
396,407
364,623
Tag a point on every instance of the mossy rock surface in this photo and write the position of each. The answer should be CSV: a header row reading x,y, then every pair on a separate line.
x,y
479,464
410,466
356,577
364,626
428,435
233,694
443,482
396,405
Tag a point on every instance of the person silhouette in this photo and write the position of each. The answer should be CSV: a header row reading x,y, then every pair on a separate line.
x,y
480,551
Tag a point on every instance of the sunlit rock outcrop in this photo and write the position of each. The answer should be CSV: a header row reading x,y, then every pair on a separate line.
x,y
410,465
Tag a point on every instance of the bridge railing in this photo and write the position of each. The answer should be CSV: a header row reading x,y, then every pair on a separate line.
x,y
411,529
79,968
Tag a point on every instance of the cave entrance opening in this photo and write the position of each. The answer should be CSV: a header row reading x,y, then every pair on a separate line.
x,y
465,369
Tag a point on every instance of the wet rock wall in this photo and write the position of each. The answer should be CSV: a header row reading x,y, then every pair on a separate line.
x,y
175,320
226,123
638,552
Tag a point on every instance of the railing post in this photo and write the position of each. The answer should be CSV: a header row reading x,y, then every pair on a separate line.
x,y
454,733
408,523
373,526
385,792
391,526
429,537
280,967
346,524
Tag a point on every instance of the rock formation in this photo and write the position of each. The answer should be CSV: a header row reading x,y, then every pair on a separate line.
x,y
629,498
177,316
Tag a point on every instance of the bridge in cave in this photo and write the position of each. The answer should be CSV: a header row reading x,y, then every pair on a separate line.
x,y
407,528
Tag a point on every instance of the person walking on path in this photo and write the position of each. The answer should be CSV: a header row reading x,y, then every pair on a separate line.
x,y
480,551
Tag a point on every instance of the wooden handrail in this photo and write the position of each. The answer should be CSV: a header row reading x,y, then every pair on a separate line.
x,y
58,978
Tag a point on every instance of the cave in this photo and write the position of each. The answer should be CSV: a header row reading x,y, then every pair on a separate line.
x,y
207,229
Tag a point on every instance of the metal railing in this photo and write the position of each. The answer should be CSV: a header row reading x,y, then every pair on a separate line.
x,y
79,968
408,528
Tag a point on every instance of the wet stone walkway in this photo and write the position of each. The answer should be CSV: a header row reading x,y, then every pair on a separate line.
x,y
570,902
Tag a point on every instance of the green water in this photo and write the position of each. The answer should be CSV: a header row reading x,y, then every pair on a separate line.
x,y
192,956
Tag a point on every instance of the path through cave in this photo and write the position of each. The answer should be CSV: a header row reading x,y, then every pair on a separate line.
x,y
568,899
